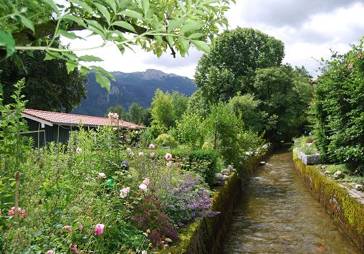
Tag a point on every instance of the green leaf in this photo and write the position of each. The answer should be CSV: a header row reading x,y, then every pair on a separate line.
x,y
7,41
112,4
125,25
27,22
102,81
132,14
69,35
195,36
70,66
103,10
95,27
191,26
184,45
75,19
83,6
52,4
173,24
201,45
51,56
145,7
89,58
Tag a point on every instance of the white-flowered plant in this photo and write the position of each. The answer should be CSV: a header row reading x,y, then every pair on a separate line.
x,y
124,192
168,156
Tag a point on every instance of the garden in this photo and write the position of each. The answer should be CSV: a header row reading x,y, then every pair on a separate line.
x,y
103,193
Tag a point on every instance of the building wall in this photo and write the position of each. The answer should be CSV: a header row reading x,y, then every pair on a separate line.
x,y
47,134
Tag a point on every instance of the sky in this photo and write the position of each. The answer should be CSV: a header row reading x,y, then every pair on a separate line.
x,y
310,29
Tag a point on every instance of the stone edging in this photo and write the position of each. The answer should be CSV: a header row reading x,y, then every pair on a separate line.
x,y
345,206
206,236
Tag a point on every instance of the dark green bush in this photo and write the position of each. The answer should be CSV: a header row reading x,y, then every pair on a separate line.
x,y
203,162
339,109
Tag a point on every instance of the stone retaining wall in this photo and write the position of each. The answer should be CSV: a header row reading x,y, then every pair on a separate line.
x,y
206,236
345,206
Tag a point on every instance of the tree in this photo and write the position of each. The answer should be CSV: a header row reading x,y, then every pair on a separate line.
x,y
138,114
278,90
166,109
179,104
232,61
48,85
155,26
338,109
162,110
246,108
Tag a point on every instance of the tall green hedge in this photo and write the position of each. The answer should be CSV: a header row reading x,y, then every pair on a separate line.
x,y
339,109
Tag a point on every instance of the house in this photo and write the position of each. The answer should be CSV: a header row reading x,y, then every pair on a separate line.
x,y
47,126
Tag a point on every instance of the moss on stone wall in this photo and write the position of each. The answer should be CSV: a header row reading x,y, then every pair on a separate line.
x,y
346,210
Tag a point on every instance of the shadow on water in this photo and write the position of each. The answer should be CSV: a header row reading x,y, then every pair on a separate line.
x,y
278,215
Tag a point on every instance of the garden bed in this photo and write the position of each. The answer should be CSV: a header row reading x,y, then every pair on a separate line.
x,y
207,235
345,205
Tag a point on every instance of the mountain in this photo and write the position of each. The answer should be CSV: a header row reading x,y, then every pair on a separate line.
x,y
131,87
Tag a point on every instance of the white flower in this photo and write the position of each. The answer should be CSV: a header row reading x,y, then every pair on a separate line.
x,y
112,115
152,155
101,175
78,150
146,181
141,154
124,192
169,164
130,152
143,187
144,252
168,156
152,146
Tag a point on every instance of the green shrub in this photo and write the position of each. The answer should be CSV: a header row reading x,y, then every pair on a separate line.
x,y
339,107
166,140
190,130
203,162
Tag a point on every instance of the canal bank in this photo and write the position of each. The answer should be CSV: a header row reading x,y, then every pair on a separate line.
x,y
277,214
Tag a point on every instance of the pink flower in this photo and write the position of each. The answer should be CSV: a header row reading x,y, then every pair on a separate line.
x,y
50,252
143,187
168,156
146,181
68,228
21,212
73,249
99,229
152,146
124,192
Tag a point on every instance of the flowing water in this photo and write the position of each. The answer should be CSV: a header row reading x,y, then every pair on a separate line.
x,y
279,215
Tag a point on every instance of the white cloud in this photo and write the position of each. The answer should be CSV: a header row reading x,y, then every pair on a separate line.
x,y
309,29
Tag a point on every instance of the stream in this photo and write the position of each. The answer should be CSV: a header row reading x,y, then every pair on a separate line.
x,y
278,215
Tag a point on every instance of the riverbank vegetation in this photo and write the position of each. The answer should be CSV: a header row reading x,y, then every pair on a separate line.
x,y
337,116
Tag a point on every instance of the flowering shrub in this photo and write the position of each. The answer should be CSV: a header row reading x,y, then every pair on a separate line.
x,y
149,216
188,200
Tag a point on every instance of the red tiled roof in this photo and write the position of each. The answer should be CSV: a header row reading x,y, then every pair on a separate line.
x,y
75,119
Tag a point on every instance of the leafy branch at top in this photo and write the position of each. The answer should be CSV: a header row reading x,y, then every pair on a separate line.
x,y
154,25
